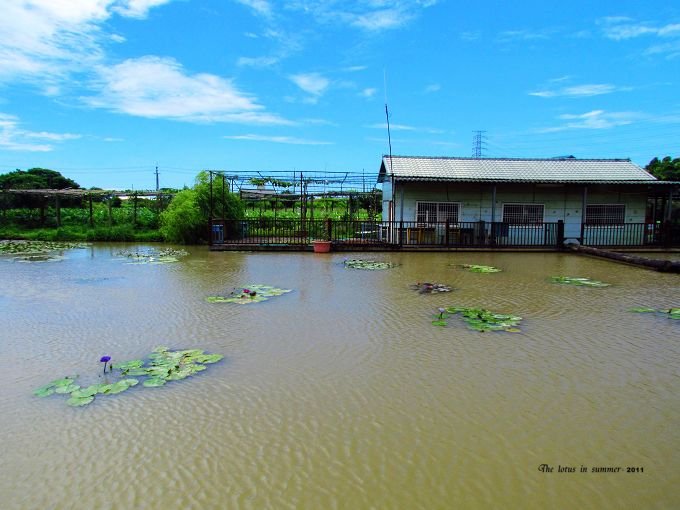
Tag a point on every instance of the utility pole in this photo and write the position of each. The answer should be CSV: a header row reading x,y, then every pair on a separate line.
x,y
156,176
478,142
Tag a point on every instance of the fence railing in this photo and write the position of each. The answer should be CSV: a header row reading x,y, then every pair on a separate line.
x,y
395,234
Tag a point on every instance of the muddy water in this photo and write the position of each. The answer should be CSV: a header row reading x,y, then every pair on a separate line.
x,y
341,394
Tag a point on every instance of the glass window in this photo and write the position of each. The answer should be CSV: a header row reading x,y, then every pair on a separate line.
x,y
523,214
605,214
436,212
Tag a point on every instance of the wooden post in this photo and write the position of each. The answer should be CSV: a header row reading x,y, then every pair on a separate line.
x,y
57,207
134,211
560,234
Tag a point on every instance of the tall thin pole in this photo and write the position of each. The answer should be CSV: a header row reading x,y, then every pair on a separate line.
x,y
156,176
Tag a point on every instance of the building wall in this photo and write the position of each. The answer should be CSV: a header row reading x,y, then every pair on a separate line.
x,y
562,202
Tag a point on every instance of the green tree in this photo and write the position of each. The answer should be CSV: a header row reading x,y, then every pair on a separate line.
x,y
182,222
665,170
186,218
36,178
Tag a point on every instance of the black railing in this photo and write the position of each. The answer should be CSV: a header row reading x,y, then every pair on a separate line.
x,y
445,235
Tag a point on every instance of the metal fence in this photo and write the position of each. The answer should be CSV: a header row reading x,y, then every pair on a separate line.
x,y
445,235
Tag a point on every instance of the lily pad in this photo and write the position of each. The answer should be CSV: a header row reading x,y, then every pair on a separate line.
x,y
475,268
80,401
150,256
430,288
61,386
369,265
249,294
578,281
480,319
129,365
37,251
671,313
154,382
163,365
90,391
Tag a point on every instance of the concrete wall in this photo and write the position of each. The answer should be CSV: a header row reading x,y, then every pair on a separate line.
x,y
562,202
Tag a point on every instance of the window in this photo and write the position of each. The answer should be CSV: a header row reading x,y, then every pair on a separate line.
x,y
436,212
605,214
523,214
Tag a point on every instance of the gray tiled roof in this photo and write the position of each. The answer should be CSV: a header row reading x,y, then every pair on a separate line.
x,y
513,170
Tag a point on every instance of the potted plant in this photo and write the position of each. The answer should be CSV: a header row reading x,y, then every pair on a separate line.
x,y
324,244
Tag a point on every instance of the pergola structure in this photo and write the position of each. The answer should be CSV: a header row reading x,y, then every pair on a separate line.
x,y
89,194
299,187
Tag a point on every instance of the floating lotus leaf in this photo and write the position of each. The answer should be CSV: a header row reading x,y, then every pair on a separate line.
x,y
129,365
480,269
671,313
61,386
62,390
79,401
480,319
370,265
430,288
164,365
85,392
154,382
178,376
208,358
36,247
104,388
578,281
44,391
118,387
136,372
165,256
249,294
191,352
643,309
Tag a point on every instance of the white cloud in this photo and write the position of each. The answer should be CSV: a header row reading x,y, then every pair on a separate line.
x,y
261,7
46,41
14,138
257,62
595,119
434,87
380,20
156,87
368,15
671,49
393,127
312,83
521,35
620,28
586,90
277,139
368,92
135,8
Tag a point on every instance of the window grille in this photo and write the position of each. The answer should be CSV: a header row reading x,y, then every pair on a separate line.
x,y
523,214
605,214
436,212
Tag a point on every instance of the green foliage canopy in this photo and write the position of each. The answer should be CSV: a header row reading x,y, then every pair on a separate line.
x,y
666,169
185,220
36,178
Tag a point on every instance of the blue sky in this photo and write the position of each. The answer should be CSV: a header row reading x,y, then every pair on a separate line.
x,y
103,90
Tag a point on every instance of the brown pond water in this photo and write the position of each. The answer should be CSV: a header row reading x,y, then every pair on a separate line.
x,y
341,394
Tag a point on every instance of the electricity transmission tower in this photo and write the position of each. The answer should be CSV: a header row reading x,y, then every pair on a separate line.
x,y
478,143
